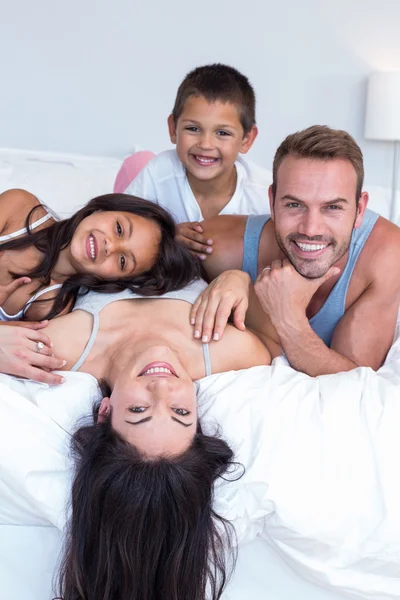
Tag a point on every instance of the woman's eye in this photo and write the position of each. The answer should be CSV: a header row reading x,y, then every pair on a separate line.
x,y
181,411
123,262
119,229
137,409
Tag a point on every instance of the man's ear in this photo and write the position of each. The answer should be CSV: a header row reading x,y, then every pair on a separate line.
x,y
361,208
271,201
172,129
248,140
104,410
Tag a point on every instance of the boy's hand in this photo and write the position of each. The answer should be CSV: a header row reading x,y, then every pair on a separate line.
x,y
191,236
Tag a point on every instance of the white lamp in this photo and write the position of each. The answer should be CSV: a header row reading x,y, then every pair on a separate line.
x,y
383,118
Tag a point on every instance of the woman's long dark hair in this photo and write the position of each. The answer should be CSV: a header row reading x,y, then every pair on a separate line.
x,y
145,529
175,267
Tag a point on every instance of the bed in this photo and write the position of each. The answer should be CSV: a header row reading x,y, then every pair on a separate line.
x,y
279,564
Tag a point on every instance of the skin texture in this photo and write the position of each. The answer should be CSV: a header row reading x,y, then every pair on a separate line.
x,y
315,203
120,253
208,130
134,334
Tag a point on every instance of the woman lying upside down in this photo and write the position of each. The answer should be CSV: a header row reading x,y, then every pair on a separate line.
x,y
143,525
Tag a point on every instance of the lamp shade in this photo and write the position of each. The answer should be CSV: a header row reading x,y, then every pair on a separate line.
x,y
382,120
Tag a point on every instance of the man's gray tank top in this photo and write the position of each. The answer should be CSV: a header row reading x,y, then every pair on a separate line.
x,y
93,303
324,322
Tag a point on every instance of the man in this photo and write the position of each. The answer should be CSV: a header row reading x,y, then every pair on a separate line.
x,y
326,269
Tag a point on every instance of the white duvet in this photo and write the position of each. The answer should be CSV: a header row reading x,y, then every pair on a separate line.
x,y
321,458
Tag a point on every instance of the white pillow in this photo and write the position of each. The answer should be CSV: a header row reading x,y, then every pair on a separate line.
x,y
62,181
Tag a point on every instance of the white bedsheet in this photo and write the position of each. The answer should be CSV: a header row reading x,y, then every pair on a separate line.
x,y
320,490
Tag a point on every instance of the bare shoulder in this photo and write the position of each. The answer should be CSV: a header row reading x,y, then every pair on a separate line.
x,y
227,232
15,205
238,350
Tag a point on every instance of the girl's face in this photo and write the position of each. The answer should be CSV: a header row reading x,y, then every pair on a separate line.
x,y
114,245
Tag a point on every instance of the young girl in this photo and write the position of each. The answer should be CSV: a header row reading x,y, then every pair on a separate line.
x,y
116,241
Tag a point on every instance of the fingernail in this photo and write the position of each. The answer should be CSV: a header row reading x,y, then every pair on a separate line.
x,y
204,339
209,242
62,379
44,321
64,362
243,325
197,334
51,345
203,257
192,321
216,337
209,250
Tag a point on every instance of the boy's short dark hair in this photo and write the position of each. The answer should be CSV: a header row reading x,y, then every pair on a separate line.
x,y
219,82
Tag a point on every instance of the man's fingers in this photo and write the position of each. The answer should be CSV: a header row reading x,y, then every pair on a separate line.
x,y
276,264
194,309
213,310
221,318
239,314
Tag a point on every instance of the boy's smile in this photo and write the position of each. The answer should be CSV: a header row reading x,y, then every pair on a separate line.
x,y
208,137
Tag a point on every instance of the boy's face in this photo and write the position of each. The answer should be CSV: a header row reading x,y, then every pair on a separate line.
x,y
208,137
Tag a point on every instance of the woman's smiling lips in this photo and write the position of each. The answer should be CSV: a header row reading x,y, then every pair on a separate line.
x,y
158,369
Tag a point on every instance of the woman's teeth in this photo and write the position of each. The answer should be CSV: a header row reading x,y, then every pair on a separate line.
x,y
157,370
91,244
311,247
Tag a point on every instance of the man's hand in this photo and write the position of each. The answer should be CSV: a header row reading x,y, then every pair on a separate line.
x,y
211,311
284,294
191,236
19,353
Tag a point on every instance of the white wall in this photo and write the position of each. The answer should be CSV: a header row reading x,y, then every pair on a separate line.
x,y
99,76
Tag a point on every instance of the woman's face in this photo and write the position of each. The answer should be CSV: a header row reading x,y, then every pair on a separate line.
x,y
153,403
115,245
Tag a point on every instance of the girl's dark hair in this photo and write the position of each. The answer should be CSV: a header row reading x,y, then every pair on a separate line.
x,y
145,529
175,267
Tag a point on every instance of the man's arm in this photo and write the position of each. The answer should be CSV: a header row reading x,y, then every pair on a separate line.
x,y
362,337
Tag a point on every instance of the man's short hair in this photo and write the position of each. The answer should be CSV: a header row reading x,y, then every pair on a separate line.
x,y
219,83
321,143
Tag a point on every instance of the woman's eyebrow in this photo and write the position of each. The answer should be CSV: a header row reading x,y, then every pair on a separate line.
x,y
181,422
138,422
147,419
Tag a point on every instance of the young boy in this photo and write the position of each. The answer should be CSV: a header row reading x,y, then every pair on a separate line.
x,y
212,122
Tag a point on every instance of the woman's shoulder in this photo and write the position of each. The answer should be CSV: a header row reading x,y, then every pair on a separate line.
x,y
238,350
15,206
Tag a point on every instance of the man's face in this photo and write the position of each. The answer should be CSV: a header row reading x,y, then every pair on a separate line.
x,y
315,211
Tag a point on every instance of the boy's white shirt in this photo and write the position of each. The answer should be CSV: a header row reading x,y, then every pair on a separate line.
x,y
163,180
